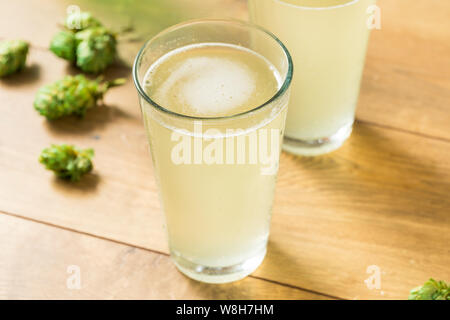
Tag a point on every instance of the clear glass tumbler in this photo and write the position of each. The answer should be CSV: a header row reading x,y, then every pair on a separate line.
x,y
217,209
328,41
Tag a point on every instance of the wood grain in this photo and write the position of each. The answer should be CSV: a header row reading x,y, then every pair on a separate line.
x,y
146,17
382,199
34,260
406,82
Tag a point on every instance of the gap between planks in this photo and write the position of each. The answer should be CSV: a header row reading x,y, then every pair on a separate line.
x,y
18,216
387,127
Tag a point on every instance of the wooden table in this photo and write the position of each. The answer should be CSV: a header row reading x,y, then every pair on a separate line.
x,y
383,199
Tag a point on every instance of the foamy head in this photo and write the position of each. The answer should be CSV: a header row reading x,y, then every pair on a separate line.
x,y
212,85
211,80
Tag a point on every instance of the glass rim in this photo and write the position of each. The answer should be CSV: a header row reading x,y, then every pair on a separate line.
x,y
283,88
336,6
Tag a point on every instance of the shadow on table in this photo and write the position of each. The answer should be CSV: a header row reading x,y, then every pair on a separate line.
x,y
87,183
282,262
226,291
372,160
29,74
256,287
119,69
95,119
381,174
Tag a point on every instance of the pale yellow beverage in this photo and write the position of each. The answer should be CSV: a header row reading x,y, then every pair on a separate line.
x,y
217,214
215,170
327,40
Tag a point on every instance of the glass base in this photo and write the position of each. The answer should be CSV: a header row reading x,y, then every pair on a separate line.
x,y
318,146
218,274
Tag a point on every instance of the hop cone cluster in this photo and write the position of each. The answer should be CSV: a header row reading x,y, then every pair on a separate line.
x,y
72,95
13,54
431,290
68,162
86,43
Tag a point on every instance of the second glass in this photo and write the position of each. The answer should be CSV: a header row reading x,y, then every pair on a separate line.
x,y
327,40
216,167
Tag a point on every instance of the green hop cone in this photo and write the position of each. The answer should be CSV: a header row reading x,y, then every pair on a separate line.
x,y
431,290
13,55
85,42
71,96
96,49
81,20
68,162
63,45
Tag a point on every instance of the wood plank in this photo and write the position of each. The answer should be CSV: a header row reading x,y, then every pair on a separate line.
x,y
34,260
406,82
115,132
382,199
147,17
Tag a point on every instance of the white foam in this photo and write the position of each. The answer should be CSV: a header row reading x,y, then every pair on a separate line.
x,y
209,85
162,94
